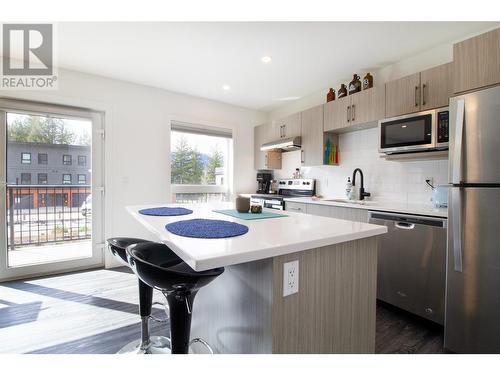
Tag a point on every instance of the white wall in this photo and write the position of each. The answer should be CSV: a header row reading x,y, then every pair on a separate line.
x,y
138,141
400,182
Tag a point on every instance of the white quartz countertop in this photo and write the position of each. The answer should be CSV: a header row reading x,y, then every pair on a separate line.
x,y
266,238
415,209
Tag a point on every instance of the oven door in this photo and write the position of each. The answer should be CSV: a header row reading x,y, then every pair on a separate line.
x,y
414,132
275,204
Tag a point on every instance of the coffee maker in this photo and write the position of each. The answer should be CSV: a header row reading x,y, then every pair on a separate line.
x,y
263,182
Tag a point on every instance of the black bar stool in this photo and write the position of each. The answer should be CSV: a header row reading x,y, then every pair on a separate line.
x,y
157,266
146,344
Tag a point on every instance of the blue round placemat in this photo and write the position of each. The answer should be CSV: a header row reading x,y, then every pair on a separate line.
x,y
205,228
165,211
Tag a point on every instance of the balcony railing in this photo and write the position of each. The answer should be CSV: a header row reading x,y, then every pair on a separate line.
x,y
38,214
199,193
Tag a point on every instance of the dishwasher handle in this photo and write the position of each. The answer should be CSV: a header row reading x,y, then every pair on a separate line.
x,y
404,225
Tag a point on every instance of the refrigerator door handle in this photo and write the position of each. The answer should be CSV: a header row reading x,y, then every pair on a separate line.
x,y
457,228
457,151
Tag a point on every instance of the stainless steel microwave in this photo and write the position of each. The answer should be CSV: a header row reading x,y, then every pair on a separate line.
x,y
421,131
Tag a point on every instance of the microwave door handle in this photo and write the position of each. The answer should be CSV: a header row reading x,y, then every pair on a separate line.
x,y
457,149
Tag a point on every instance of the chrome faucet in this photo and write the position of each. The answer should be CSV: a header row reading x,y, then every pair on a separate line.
x,y
362,193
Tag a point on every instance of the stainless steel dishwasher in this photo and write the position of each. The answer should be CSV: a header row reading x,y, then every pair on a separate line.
x,y
412,263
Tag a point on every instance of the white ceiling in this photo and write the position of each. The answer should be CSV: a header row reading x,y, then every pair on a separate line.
x,y
199,58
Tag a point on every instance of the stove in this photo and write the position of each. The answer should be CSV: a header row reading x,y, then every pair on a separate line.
x,y
297,187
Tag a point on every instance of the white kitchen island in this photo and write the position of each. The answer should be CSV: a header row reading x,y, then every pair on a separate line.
x,y
244,311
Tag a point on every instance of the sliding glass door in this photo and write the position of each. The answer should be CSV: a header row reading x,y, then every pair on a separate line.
x,y
51,202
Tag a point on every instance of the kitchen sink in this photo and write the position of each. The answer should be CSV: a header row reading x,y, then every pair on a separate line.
x,y
349,201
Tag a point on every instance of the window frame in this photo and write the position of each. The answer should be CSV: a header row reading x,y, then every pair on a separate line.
x,y
208,129
84,179
46,178
46,158
25,174
84,164
70,159
70,179
22,157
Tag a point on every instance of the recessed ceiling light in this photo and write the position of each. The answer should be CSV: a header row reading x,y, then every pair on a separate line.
x,y
266,59
226,87
287,98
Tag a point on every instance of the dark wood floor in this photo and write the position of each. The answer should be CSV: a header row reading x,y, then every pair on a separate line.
x,y
96,312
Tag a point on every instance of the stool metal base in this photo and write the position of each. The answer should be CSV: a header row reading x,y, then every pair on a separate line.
x,y
156,345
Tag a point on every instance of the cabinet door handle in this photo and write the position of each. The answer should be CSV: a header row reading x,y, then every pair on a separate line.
x,y
416,96
423,94
284,131
353,110
302,156
265,160
348,113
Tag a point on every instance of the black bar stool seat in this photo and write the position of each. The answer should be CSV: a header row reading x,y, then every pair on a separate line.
x,y
146,344
156,265
117,246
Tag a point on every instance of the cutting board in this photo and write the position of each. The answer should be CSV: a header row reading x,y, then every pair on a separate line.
x,y
250,216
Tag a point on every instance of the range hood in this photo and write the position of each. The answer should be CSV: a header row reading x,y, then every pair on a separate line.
x,y
285,144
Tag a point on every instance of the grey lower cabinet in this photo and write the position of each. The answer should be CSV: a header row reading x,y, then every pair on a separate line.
x,y
345,213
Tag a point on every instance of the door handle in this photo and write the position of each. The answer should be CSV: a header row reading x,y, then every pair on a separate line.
x,y
416,96
348,113
457,150
403,225
265,160
423,93
284,131
456,210
302,156
353,110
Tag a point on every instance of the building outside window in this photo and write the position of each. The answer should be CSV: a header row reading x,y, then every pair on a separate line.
x,y
82,160
42,178
67,159
42,158
82,179
25,178
66,179
201,163
26,157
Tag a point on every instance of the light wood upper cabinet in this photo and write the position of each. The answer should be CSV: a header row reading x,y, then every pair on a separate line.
x,y
367,105
336,114
476,62
287,127
265,159
260,137
436,86
312,136
402,96
420,91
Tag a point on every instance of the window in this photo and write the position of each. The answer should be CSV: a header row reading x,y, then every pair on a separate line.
x,y
201,161
42,158
25,157
82,160
66,178
25,178
82,179
67,159
42,178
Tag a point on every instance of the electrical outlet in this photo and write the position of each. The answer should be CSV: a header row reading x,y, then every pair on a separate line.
x,y
431,181
290,278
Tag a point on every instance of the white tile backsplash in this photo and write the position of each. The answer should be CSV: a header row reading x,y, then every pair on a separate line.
x,y
394,181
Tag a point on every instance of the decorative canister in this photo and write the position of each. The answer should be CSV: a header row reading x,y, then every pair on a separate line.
x,y
354,85
342,91
367,81
330,96
256,209
242,204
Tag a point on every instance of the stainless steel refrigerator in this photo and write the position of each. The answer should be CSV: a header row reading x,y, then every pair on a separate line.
x,y
472,317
